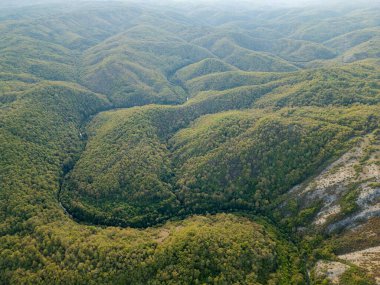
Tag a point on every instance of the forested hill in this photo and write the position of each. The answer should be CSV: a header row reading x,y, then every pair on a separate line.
x,y
189,143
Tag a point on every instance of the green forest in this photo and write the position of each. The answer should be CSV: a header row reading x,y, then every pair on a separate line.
x,y
189,144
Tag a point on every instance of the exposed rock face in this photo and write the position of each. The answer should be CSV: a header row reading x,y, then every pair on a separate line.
x,y
331,270
349,191
349,188
368,259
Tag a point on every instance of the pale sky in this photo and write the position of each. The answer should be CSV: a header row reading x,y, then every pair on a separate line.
x,y
256,3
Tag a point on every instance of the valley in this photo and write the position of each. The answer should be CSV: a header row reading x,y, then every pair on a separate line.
x,y
189,144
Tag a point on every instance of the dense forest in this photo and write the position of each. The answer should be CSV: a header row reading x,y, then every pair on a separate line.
x,y
189,143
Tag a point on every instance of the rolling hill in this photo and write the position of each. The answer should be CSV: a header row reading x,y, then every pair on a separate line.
x,y
189,144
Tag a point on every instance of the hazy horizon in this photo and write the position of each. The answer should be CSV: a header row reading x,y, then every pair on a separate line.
x,y
257,3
